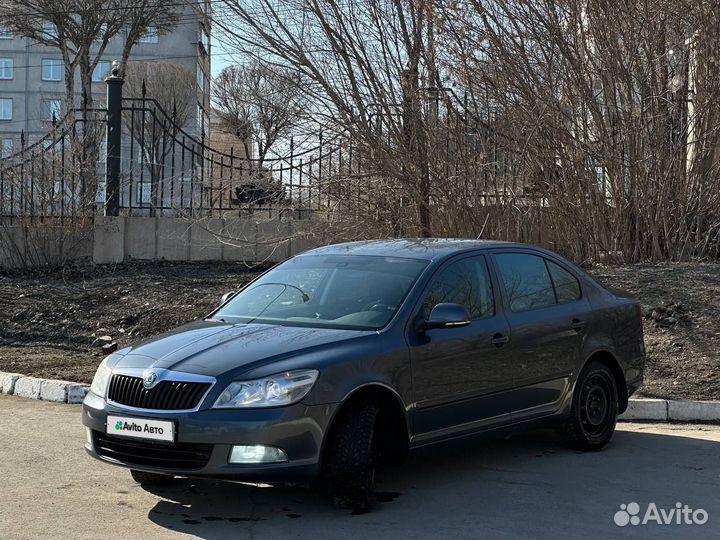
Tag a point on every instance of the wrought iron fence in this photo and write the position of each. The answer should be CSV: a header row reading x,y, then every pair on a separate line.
x,y
132,158
167,169
54,177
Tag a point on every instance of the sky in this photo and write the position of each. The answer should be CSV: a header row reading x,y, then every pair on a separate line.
x,y
219,56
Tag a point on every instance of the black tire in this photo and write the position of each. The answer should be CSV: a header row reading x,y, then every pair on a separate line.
x,y
394,454
594,408
353,457
391,441
150,479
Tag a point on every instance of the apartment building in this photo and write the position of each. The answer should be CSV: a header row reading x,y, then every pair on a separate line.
x,y
32,88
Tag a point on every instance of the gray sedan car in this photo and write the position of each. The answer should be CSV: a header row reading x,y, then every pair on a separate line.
x,y
352,354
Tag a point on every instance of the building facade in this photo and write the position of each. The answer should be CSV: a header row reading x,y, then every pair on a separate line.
x,y
32,86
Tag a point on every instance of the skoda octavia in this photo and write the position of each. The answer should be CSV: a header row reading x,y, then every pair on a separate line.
x,y
350,355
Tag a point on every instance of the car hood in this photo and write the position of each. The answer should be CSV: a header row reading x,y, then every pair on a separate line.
x,y
214,348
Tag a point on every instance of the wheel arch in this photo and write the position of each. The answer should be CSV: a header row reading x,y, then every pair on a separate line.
x,y
392,410
609,359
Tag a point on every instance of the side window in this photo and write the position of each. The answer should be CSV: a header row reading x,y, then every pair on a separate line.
x,y
567,287
526,281
465,282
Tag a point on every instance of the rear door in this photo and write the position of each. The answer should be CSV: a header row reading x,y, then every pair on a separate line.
x,y
459,373
548,315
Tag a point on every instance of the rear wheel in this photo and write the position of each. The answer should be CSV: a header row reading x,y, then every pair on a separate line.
x,y
594,408
353,457
150,479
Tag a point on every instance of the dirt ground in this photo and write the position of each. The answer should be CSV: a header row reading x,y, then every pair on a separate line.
x,y
50,325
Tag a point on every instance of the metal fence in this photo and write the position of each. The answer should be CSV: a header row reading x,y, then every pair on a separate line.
x,y
158,167
132,158
166,169
51,179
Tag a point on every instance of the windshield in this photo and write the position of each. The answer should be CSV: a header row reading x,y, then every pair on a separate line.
x,y
327,291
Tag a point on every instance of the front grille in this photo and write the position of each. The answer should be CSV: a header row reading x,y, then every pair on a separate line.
x,y
165,395
176,456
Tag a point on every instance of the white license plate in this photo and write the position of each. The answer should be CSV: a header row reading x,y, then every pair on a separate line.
x,y
141,428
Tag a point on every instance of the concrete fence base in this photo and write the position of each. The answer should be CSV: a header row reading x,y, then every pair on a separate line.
x,y
118,239
111,240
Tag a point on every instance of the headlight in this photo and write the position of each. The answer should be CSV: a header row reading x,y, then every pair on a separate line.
x,y
282,389
101,378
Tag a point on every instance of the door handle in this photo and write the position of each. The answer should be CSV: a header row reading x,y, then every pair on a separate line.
x,y
499,340
577,325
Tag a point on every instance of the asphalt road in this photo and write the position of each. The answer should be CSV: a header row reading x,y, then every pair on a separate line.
x,y
527,486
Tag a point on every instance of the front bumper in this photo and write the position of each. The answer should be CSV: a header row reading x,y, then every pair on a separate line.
x,y
298,429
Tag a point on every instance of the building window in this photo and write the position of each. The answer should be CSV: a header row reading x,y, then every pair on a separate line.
x,y
51,109
6,108
204,39
101,32
144,192
51,70
102,157
100,71
202,120
150,35
6,68
49,30
201,78
6,148
5,33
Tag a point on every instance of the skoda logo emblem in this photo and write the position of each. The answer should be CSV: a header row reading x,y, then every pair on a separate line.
x,y
149,379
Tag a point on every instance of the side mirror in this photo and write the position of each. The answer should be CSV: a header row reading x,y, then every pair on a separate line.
x,y
447,316
225,297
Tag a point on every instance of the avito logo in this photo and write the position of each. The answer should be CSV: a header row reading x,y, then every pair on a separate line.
x,y
125,426
629,514
128,426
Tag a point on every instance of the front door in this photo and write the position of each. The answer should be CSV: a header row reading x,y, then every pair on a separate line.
x,y
459,373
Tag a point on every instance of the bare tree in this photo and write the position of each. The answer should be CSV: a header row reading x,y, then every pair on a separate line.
x,y
259,104
369,64
171,93
603,113
82,29
516,118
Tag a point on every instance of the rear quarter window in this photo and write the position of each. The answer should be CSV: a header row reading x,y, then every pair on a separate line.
x,y
567,287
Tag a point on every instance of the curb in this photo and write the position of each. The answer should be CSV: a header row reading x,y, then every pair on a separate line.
x,y
639,409
671,410
42,389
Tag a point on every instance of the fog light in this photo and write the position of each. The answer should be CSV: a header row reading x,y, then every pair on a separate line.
x,y
257,454
88,437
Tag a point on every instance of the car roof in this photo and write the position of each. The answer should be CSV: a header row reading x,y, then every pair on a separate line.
x,y
414,248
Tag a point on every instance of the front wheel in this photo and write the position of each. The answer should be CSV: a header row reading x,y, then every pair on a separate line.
x,y
594,408
353,457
